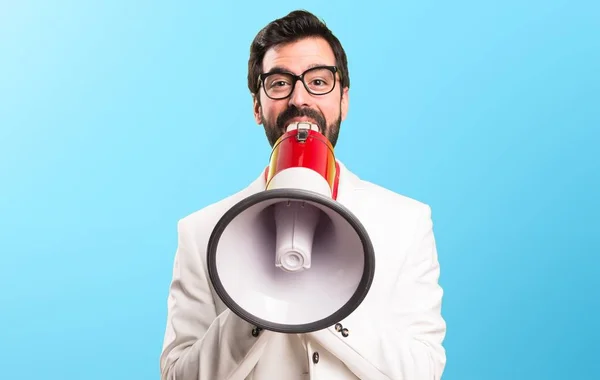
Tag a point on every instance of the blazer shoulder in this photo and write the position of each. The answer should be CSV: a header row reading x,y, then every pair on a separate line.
x,y
381,198
200,223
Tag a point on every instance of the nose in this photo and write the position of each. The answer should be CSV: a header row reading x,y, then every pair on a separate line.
x,y
299,96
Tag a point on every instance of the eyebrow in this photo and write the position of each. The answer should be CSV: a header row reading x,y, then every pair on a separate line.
x,y
283,69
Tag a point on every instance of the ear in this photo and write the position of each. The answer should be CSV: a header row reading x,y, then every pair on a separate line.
x,y
257,109
345,102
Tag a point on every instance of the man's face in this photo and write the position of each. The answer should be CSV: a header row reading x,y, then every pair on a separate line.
x,y
327,111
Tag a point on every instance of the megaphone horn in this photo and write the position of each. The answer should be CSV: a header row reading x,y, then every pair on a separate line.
x,y
291,258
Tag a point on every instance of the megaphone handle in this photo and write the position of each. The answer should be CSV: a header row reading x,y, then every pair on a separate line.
x,y
336,180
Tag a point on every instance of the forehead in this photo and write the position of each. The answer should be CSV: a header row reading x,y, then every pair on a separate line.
x,y
300,55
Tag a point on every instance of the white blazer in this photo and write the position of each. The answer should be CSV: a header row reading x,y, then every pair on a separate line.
x,y
395,334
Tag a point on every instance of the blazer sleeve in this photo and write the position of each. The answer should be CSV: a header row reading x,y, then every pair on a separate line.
x,y
403,340
198,343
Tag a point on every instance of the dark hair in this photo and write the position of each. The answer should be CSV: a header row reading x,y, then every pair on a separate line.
x,y
291,28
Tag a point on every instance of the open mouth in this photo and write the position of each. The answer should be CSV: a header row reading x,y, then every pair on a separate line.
x,y
302,125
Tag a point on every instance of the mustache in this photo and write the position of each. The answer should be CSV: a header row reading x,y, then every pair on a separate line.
x,y
294,111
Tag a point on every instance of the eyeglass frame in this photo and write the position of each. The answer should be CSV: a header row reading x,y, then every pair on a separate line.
x,y
295,78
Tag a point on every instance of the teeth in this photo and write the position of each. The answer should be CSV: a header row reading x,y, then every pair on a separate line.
x,y
302,125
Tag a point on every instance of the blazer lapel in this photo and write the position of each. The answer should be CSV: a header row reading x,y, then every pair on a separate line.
x,y
349,185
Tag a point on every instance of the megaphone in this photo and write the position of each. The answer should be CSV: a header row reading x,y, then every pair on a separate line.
x,y
292,259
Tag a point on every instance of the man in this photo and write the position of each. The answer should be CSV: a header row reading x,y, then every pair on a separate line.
x,y
396,333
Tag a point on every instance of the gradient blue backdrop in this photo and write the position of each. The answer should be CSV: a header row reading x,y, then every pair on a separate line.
x,y
118,118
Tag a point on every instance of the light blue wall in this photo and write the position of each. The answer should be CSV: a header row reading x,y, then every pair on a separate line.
x,y
118,118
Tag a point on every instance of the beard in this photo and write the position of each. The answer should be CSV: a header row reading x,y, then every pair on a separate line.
x,y
274,131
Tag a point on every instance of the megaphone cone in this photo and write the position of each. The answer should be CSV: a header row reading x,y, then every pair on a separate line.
x,y
291,258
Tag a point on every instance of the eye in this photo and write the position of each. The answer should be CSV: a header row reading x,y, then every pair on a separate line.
x,y
318,82
279,83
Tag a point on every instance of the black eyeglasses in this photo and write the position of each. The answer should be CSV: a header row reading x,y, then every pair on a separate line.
x,y
318,80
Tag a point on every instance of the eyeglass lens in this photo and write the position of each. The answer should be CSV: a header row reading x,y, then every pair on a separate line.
x,y
317,80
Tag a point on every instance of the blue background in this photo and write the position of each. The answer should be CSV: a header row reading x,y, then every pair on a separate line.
x,y
118,118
